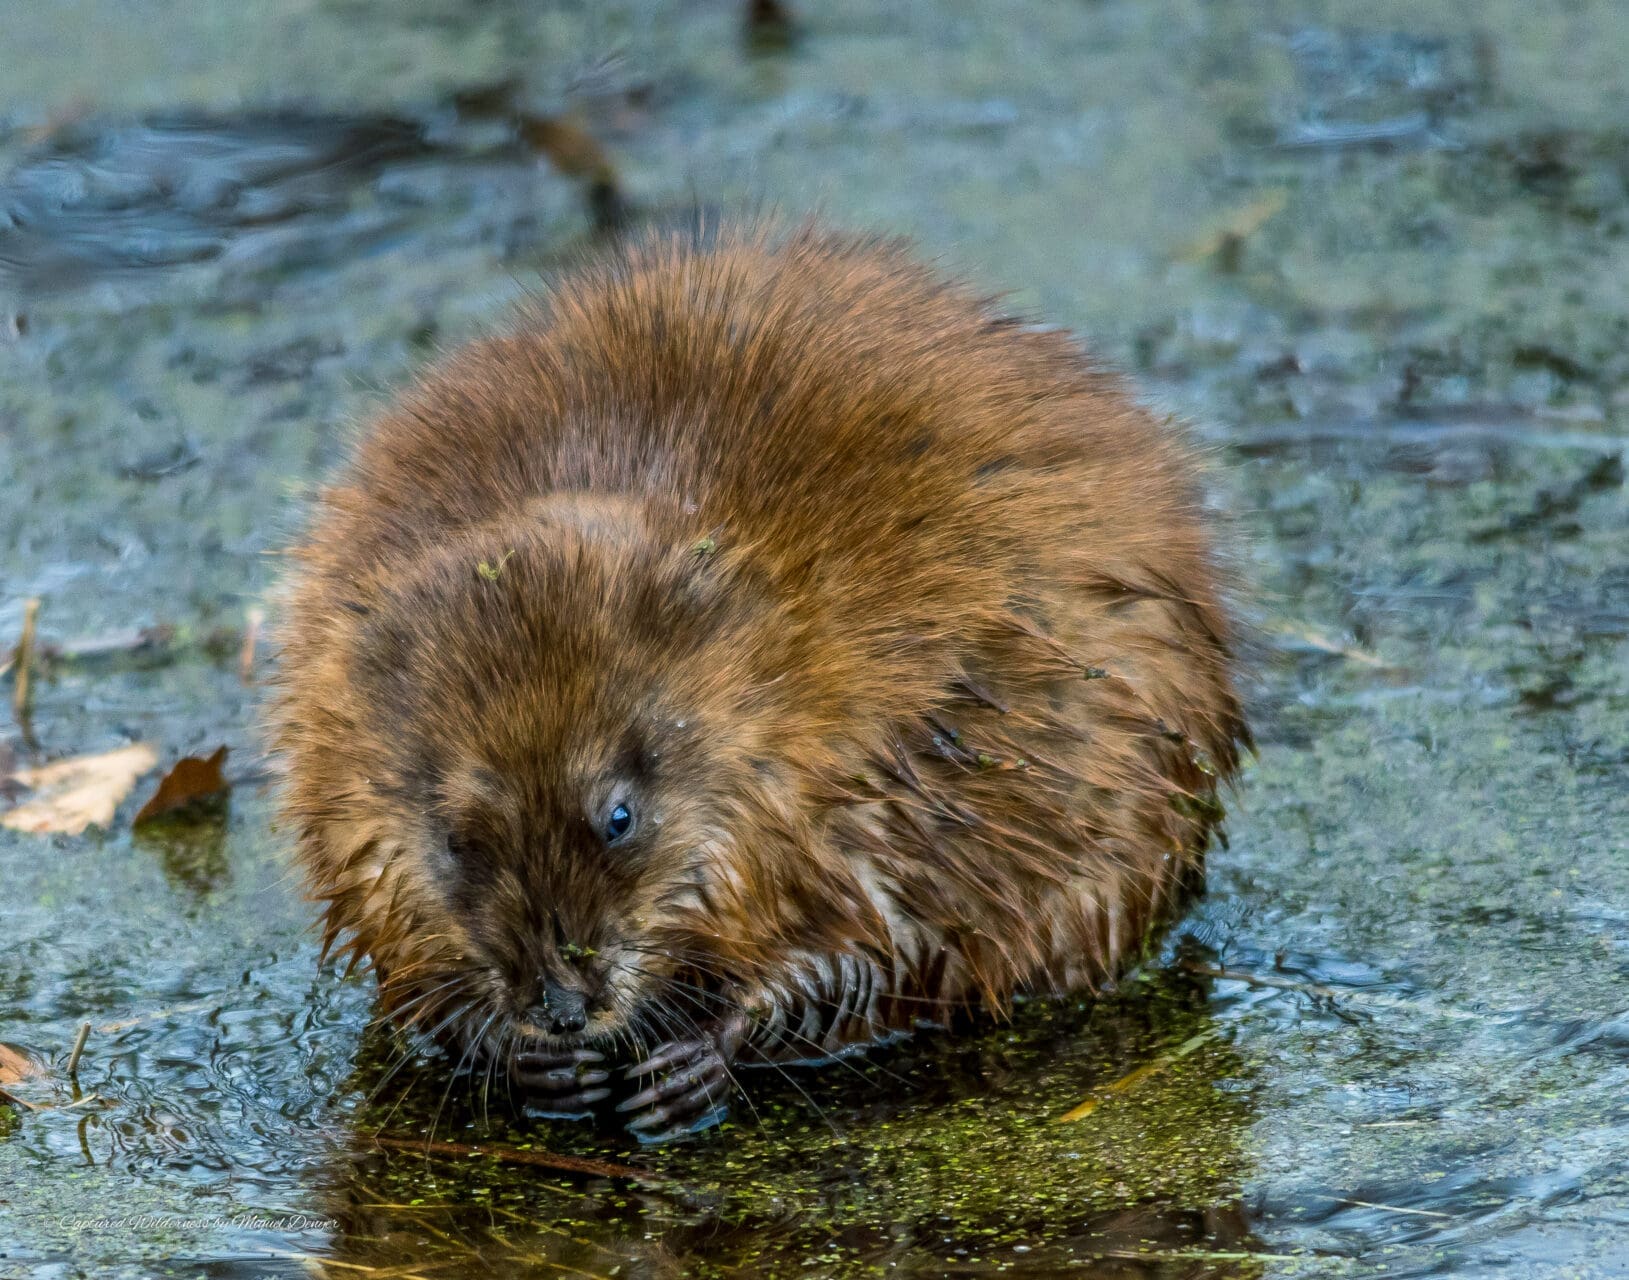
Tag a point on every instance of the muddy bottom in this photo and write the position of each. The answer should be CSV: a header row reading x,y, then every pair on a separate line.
x,y
1378,257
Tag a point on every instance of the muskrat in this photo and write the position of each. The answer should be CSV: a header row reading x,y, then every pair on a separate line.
x,y
765,646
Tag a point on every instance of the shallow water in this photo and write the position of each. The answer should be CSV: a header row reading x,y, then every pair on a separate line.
x,y
1379,257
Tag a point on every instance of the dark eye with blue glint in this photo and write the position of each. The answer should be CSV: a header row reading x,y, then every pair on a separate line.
x,y
618,823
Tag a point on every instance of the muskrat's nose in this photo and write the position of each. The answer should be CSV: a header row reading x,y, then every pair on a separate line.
x,y
565,1009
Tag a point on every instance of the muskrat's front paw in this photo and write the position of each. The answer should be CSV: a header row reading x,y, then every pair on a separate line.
x,y
560,1082
694,1085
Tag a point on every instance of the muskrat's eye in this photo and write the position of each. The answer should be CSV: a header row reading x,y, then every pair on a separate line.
x,y
618,823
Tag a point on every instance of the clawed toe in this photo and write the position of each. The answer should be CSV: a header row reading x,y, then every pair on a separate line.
x,y
697,1124
561,1083
673,1054
566,1106
688,1099
689,1083
557,1078
706,1078
685,1108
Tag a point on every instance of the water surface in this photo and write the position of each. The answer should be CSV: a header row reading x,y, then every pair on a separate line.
x,y
1379,257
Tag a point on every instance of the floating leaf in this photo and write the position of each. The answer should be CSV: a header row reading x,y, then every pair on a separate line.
x,y
192,778
18,1064
69,795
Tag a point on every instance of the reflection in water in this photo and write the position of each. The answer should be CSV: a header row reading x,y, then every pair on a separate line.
x,y
262,190
101,203
191,849
941,1154
602,1232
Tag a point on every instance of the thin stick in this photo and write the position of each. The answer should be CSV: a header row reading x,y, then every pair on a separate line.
x,y
24,660
77,1102
253,619
79,1048
1375,999
1389,1208
1264,980
1199,1255
511,1155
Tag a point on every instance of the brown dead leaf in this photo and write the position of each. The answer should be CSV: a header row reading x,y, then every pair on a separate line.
x,y
572,149
567,144
18,1064
69,795
192,778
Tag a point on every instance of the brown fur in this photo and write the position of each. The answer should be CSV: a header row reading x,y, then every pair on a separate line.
x,y
900,619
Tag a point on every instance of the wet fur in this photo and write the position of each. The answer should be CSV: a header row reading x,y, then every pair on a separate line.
x,y
903,617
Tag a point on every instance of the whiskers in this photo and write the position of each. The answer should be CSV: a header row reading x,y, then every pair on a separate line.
x,y
457,1007
683,994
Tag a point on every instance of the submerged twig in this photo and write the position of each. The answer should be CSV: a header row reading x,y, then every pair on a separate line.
x,y
1379,999
1133,1078
77,1102
568,144
321,1263
514,1155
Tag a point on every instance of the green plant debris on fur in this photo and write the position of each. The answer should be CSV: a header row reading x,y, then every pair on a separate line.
x,y
491,572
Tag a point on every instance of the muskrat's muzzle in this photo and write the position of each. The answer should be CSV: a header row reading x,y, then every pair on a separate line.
x,y
563,1010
